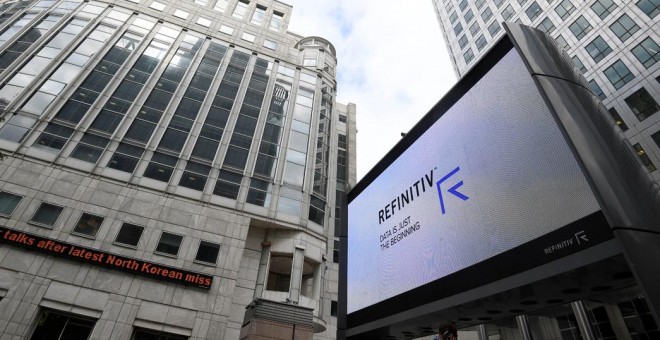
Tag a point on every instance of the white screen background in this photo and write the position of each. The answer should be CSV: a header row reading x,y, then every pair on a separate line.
x,y
517,170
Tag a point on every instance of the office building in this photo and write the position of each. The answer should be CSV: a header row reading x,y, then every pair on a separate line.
x,y
171,170
613,43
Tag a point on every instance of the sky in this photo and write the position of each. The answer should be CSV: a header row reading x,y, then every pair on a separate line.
x,y
392,63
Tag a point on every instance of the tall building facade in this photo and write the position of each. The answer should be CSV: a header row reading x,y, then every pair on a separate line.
x,y
614,44
170,170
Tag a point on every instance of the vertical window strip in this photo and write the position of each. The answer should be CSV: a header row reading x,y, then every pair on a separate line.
x,y
27,39
209,137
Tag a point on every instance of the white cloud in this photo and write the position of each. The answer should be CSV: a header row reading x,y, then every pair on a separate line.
x,y
392,63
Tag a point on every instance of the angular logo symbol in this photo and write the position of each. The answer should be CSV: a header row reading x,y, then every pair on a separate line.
x,y
581,235
453,190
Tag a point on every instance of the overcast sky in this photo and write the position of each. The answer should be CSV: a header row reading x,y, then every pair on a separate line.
x,y
392,63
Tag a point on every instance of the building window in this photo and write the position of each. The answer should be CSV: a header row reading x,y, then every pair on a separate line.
x,y
498,3
533,11
226,30
598,49
54,137
309,62
46,214
453,17
463,41
463,5
90,147
276,21
195,176
481,42
546,26
486,14
578,63
617,119
508,12
642,104
59,326
270,44
603,8
564,9
335,249
624,27
221,5
181,14
228,185
342,118
8,203
161,167
259,15
169,243
650,7
129,234
88,224
279,272
561,42
157,6
333,308
647,52
458,29
469,15
203,22
207,252
494,28
144,334
126,158
474,28
568,327
656,138
248,37
580,27
644,157
479,3
317,210
16,127
618,74
597,90
241,9
468,56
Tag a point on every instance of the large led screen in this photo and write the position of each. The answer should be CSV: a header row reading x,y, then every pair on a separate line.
x,y
492,173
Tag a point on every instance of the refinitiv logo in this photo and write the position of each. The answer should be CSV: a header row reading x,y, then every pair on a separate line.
x,y
420,187
452,190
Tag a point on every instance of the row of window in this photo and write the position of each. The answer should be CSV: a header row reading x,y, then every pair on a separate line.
x,y
564,9
57,325
88,226
623,28
257,19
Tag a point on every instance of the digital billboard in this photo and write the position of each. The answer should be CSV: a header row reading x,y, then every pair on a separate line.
x,y
487,175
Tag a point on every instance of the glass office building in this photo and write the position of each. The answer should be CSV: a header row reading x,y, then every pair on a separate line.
x,y
170,170
614,45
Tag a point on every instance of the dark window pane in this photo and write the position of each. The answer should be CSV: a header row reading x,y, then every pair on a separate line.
x,y
228,184
88,224
642,104
8,203
173,140
207,252
47,214
205,148
129,234
56,325
169,243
